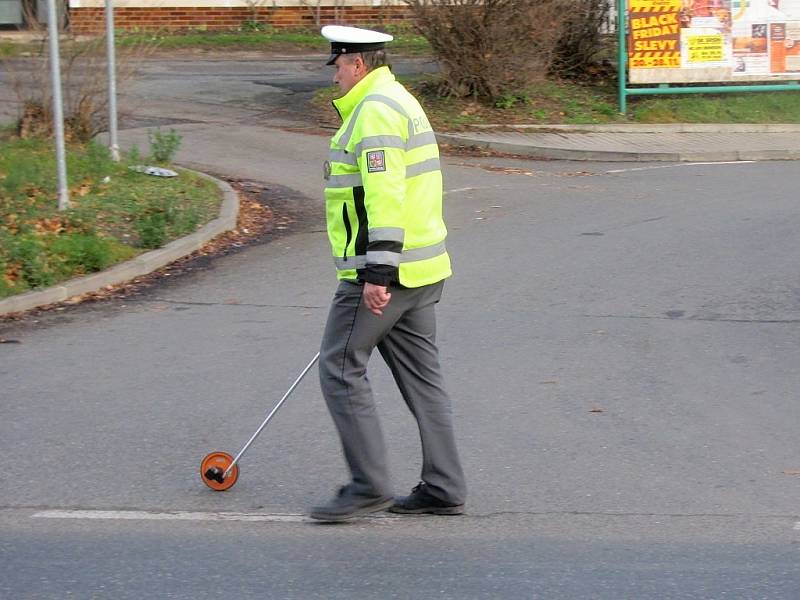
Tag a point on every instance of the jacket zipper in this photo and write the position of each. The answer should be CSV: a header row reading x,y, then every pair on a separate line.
x,y
348,228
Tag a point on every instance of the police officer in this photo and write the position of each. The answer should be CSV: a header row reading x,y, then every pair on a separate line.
x,y
383,197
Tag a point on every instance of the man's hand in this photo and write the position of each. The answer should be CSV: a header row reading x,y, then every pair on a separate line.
x,y
376,297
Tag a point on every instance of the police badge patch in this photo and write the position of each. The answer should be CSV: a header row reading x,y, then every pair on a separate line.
x,y
376,161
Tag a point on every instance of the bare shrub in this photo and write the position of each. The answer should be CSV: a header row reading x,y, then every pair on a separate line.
x,y
258,14
84,79
29,17
315,8
488,48
35,19
583,40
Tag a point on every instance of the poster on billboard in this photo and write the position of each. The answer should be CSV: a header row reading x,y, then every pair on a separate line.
x,y
696,41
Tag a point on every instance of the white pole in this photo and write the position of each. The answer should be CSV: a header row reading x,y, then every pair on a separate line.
x,y
112,82
58,111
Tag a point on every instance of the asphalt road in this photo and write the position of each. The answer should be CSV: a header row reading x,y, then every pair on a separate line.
x,y
620,342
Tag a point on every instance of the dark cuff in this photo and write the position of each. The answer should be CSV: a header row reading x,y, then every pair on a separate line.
x,y
383,275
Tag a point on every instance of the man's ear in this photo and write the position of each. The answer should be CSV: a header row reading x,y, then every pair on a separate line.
x,y
360,64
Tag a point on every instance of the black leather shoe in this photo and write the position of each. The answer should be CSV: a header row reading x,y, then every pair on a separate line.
x,y
422,502
347,505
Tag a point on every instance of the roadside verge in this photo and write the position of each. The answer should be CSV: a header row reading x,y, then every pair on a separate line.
x,y
141,265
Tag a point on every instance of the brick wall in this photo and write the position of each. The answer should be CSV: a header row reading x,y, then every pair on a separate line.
x,y
91,20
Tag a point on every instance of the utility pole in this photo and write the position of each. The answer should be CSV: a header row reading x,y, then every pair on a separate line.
x,y
113,143
58,110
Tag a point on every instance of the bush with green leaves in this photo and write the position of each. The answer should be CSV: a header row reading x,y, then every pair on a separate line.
x,y
163,146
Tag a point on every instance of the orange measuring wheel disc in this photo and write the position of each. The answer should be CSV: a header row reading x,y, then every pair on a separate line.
x,y
214,466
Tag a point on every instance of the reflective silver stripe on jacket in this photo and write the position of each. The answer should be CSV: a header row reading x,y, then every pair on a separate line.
x,y
342,156
424,253
426,166
415,140
344,181
383,257
391,103
387,234
379,141
340,181
418,140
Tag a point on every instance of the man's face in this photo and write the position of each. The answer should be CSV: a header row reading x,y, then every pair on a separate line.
x,y
349,71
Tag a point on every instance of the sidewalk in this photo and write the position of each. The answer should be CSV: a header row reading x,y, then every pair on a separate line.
x,y
638,143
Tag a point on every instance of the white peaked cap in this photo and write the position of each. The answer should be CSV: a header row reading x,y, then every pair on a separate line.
x,y
348,40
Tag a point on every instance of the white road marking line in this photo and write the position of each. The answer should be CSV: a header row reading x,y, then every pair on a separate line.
x,y
455,191
166,516
143,515
695,164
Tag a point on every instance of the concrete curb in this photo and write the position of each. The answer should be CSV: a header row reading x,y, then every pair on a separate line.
x,y
141,265
541,151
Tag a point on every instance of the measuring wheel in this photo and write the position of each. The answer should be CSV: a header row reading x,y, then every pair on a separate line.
x,y
212,471
219,470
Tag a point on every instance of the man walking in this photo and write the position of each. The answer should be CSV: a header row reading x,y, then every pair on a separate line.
x,y
383,198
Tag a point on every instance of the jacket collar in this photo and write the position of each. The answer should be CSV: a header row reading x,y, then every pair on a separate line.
x,y
351,99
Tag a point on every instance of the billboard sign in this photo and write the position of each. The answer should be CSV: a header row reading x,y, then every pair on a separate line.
x,y
693,41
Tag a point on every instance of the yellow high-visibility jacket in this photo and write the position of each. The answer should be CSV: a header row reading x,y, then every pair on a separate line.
x,y
383,193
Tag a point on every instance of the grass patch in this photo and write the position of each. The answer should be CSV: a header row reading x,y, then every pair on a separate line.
x,y
554,102
251,36
545,103
750,107
8,49
559,102
225,40
257,36
116,213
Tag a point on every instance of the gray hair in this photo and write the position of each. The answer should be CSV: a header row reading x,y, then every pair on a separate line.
x,y
373,59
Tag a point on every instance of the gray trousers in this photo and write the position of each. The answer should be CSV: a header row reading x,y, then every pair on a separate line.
x,y
405,335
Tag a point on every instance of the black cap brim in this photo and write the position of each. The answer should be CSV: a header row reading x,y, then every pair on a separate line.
x,y
339,48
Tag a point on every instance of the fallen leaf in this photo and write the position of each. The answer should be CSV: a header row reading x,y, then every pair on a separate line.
x,y
49,225
506,170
